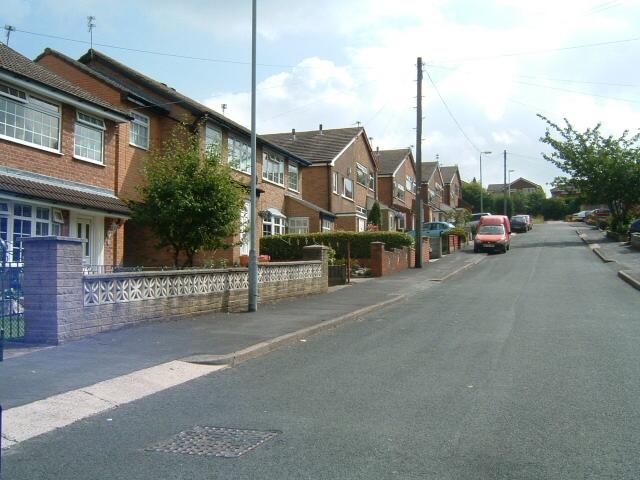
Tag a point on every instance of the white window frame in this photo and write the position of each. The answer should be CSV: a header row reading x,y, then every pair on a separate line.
x,y
298,224
344,189
273,168
336,183
295,168
144,122
410,184
372,182
361,210
218,133
89,122
277,226
7,210
400,188
363,171
327,225
28,102
361,224
244,162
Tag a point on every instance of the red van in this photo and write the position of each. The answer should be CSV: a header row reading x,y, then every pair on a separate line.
x,y
494,233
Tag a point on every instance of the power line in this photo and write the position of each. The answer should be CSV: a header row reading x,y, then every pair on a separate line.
x,y
546,50
450,112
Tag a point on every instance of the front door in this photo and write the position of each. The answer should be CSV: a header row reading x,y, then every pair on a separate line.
x,y
244,228
83,230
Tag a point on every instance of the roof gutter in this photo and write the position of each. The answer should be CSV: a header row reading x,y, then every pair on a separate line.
x,y
65,98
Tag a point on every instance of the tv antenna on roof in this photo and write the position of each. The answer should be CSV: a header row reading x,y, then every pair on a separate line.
x,y
91,24
9,29
224,107
358,123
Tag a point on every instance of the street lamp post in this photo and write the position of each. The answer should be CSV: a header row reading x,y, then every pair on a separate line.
x,y
481,196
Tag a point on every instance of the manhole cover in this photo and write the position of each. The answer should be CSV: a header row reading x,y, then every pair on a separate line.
x,y
214,442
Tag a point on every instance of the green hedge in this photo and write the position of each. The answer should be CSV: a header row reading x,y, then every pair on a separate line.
x,y
289,247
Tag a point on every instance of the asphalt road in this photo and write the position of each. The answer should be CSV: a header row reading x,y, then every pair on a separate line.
x,y
524,367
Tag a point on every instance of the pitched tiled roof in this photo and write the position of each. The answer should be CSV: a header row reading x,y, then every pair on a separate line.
x,y
428,169
448,173
389,160
24,68
496,187
112,82
313,146
160,88
308,204
58,194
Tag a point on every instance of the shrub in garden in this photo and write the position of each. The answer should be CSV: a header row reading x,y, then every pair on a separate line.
x,y
289,247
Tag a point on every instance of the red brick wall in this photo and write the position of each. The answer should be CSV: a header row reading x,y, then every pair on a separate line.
x,y
386,262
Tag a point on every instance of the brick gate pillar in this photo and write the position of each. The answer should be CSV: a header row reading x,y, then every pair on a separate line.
x,y
52,287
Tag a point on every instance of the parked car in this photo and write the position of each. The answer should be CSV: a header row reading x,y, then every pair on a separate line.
x,y
475,219
529,221
580,216
433,229
634,227
519,223
494,233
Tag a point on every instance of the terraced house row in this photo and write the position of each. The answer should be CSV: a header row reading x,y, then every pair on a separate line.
x,y
74,134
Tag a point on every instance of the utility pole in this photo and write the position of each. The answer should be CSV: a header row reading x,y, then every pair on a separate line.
x,y
481,194
253,257
418,222
8,29
504,191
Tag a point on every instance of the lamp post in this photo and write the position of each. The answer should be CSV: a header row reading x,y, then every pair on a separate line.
x,y
481,196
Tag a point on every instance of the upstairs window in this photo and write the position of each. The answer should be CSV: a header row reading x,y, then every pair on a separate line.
x,y
28,119
273,168
336,183
400,191
410,184
239,154
212,138
362,175
372,181
347,185
89,138
139,130
294,177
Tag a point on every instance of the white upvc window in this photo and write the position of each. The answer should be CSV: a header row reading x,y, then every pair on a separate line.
x,y
400,191
19,220
293,173
327,225
239,154
362,175
212,138
347,188
410,184
372,181
29,120
89,138
273,225
298,224
336,183
273,167
139,130
362,224
361,210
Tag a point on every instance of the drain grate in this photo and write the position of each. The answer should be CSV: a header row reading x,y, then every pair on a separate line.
x,y
214,441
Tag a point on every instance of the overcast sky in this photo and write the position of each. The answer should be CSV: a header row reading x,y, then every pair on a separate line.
x,y
496,64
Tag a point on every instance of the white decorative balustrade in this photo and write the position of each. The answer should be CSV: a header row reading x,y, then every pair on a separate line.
x,y
140,286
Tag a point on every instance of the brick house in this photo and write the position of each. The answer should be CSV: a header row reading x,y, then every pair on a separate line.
x,y
521,185
156,109
397,188
342,179
58,162
433,192
452,186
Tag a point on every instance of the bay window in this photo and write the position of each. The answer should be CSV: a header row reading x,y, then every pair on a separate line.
x,y
273,225
28,119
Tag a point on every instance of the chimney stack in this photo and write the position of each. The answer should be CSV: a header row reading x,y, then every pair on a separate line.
x,y
321,130
293,134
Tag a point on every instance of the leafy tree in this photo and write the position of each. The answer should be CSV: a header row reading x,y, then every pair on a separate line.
x,y
554,209
604,169
375,215
190,200
471,194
